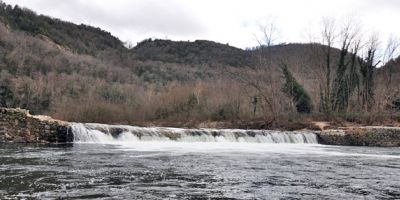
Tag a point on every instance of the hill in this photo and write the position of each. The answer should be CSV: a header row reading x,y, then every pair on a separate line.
x,y
196,53
78,38
82,73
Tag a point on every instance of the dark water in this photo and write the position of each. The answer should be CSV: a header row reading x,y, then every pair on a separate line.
x,y
151,170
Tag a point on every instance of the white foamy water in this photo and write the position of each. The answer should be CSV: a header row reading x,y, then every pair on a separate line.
x,y
125,162
112,134
177,140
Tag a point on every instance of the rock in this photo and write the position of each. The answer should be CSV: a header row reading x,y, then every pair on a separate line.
x,y
7,137
17,125
19,140
362,136
320,125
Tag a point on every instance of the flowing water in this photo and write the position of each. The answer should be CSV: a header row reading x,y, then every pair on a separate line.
x,y
125,162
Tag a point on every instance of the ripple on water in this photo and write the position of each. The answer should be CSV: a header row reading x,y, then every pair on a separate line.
x,y
114,172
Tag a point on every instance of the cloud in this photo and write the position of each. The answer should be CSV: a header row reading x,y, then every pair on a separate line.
x,y
166,17
226,21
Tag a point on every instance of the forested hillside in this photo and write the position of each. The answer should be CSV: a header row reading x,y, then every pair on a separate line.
x,y
81,73
197,52
77,38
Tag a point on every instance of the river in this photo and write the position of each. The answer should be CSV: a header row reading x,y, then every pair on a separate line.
x,y
149,163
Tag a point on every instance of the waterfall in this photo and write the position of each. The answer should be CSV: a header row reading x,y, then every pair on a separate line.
x,y
102,133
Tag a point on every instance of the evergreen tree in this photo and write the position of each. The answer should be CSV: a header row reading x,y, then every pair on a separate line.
x,y
296,92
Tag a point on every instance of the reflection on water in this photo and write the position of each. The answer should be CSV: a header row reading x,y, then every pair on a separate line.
x,y
198,170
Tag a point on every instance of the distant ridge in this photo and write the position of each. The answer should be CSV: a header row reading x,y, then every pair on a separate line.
x,y
82,73
197,52
78,38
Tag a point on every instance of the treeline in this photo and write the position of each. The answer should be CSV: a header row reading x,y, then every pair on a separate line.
x,y
78,38
80,73
199,52
346,80
47,78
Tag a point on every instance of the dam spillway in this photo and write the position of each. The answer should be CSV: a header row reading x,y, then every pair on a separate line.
x,y
102,133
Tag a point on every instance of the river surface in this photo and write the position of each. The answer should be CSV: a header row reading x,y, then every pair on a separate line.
x,y
197,170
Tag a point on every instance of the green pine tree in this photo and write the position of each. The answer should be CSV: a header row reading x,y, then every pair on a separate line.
x,y
296,92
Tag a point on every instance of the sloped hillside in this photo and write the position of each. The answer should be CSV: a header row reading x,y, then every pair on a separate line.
x,y
78,38
81,73
195,53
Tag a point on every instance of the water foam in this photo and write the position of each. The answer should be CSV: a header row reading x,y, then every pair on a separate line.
x,y
110,134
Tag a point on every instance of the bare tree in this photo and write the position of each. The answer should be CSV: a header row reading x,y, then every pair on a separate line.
x,y
346,78
368,64
387,89
328,39
391,51
269,34
262,79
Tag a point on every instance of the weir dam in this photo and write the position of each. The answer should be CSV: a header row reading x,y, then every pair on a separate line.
x,y
18,126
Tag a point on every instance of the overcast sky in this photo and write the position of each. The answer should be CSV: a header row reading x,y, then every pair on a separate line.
x,y
227,21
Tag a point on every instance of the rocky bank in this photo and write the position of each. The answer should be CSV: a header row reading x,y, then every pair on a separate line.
x,y
17,125
379,136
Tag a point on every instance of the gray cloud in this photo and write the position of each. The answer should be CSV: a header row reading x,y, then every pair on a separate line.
x,y
225,21
389,4
166,17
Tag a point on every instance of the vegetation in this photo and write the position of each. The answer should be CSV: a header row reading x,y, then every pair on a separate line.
x,y
296,92
81,73
80,39
200,52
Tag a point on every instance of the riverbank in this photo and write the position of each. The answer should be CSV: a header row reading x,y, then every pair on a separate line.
x,y
378,136
18,126
284,123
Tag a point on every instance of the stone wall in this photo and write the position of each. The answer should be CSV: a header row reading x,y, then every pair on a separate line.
x,y
17,125
362,136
